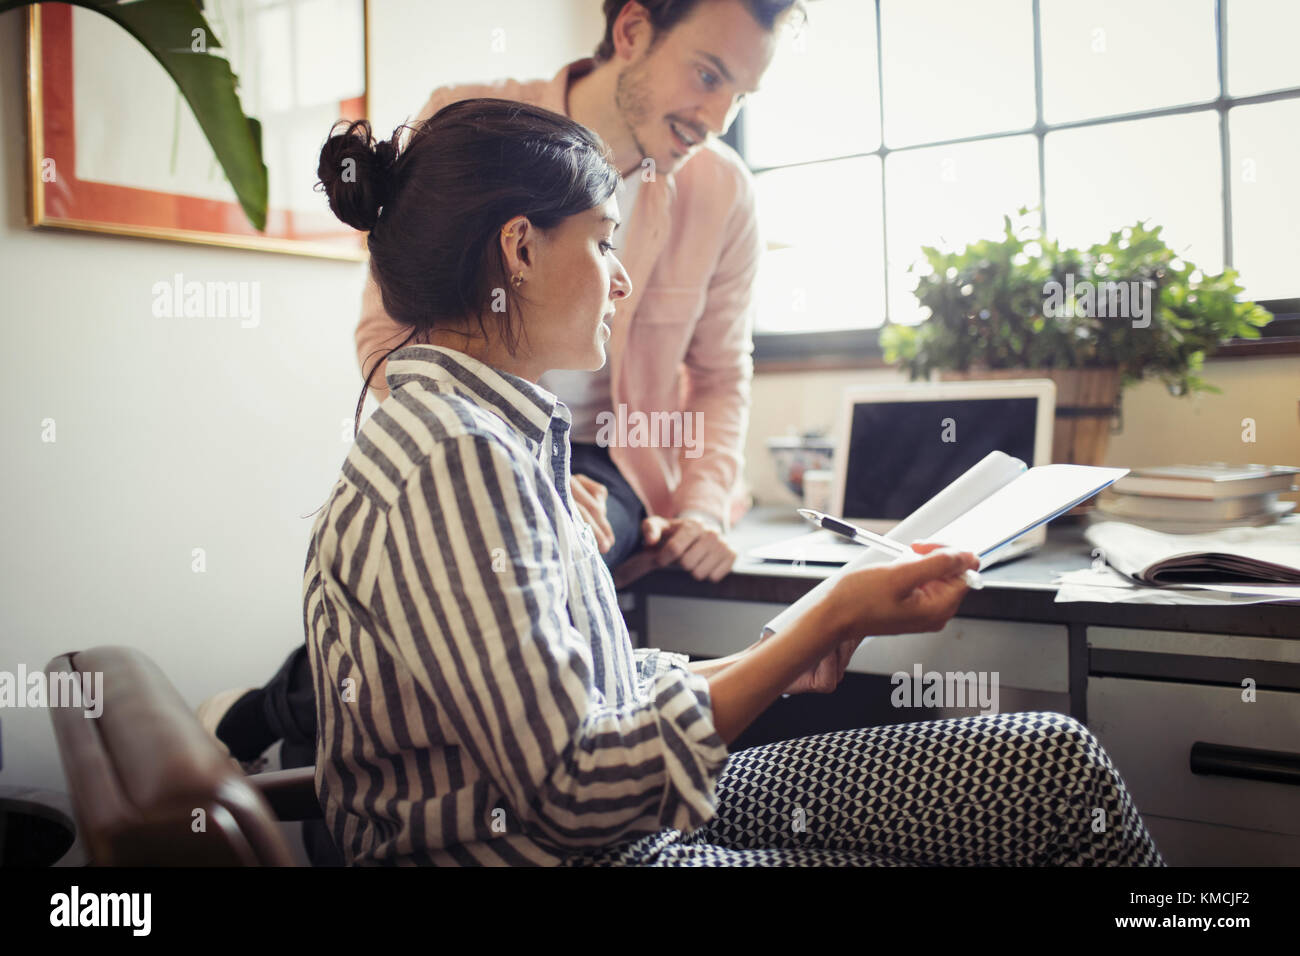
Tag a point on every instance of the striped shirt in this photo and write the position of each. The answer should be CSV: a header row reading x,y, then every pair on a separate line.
x,y
478,698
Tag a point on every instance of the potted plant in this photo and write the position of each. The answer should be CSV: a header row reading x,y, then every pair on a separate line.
x,y
1093,320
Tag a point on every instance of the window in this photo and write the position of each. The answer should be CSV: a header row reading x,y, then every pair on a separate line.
x,y
888,125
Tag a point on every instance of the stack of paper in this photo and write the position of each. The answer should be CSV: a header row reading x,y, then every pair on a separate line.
x,y
1235,566
1269,555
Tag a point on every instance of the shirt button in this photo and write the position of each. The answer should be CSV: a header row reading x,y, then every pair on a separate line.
x,y
555,447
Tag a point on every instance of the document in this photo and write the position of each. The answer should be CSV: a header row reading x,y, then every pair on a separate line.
x,y
991,504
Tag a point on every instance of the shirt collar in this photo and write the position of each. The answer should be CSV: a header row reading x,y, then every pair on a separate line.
x,y
526,407
555,97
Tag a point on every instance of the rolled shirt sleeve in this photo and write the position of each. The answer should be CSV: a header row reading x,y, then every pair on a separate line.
x,y
478,613
652,663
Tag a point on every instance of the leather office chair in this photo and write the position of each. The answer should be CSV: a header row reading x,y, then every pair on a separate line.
x,y
149,786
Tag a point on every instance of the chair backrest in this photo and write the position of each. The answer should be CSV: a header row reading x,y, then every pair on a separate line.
x,y
149,786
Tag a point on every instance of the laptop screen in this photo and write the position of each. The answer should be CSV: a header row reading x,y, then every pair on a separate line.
x,y
901,454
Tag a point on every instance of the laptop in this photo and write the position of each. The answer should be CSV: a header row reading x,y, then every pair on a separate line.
x,y
900,445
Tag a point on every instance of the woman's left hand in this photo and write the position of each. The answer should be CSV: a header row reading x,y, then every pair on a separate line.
x,y
826,676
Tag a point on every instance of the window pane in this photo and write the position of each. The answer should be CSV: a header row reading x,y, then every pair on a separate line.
x,y
949,196
954,68
1119,56
1261,45
828,69
1167,170
823,268
1266,198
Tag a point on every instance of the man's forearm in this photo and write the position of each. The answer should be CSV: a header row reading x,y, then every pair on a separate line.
x,y
706,518
709,478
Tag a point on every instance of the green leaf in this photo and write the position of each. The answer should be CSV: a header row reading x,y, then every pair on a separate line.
x,y
166,29
1000,321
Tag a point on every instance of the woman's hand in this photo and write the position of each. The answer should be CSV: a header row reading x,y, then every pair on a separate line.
x,y
590,496
906,597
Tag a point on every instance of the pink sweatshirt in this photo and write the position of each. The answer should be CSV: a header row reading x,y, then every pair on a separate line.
x,y
682,341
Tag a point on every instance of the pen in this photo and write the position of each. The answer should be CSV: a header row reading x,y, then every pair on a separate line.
x,y
870,538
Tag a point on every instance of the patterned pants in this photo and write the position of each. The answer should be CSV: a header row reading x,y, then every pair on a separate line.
x,y
1024,789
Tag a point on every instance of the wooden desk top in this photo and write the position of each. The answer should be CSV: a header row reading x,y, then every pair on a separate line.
x,y
1020,590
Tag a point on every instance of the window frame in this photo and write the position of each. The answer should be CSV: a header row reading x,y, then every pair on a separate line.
x,y
789,351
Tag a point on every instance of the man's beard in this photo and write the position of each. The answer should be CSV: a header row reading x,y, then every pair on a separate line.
x,y
632,100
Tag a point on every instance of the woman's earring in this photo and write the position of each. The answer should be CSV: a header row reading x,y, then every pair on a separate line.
x,y
518,280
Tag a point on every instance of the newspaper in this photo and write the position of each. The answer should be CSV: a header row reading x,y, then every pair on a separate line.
x,y
1268,555
1105,585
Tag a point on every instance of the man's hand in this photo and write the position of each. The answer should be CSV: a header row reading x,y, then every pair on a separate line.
x,y
929,604
590,496
699,548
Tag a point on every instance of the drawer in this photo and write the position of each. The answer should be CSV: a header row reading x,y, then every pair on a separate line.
x,y
1148,727
1227,646
1186,843
1027,656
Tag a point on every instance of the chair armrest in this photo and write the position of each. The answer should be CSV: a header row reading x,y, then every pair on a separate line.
x,y
291,793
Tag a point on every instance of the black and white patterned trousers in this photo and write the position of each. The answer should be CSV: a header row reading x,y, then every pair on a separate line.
x,y
1022,789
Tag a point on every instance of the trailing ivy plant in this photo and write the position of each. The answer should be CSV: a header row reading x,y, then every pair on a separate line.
x,y
1023,301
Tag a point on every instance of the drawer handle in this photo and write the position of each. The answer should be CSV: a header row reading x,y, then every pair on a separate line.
x,y
1276,766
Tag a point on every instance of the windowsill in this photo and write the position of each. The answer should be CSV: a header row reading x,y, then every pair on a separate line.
x,y
840,361
834,351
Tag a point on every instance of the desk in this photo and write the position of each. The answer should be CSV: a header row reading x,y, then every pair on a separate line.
x,y
1151,681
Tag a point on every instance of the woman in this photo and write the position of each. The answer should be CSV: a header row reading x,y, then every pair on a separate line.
x,y
478,698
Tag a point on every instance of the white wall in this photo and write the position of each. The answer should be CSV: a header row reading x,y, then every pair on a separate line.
x,y
175,434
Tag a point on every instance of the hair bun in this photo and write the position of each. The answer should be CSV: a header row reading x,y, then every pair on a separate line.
x,y
357,174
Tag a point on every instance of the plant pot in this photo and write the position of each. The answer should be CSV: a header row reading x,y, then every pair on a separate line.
x,y
1087,401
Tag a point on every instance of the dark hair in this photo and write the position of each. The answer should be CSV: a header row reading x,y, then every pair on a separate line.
x,y
666,14
435,207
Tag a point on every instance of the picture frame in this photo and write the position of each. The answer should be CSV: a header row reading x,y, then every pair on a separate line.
x,y
115,149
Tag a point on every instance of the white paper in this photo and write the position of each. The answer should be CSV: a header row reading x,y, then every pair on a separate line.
x,y
812,547
1036,496
978,482
1105,585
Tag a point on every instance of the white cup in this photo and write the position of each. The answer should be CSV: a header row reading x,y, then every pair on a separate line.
x,y
817,489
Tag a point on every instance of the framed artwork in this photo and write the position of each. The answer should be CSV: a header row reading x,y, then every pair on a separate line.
x,y
114,148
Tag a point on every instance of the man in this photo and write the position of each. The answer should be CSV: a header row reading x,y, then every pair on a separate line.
x,y
668,77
